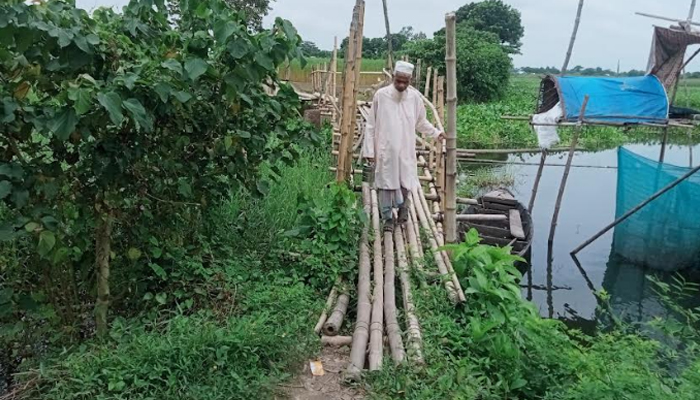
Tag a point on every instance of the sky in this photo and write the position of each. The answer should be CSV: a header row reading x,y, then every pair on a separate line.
x,y
610,30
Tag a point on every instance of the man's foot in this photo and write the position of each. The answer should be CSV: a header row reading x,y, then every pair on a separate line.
x,y
389,226
403,215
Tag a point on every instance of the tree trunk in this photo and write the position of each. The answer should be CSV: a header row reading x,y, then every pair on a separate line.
x,y
103,249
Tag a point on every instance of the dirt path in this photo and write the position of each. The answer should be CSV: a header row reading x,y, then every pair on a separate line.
x,y
327,387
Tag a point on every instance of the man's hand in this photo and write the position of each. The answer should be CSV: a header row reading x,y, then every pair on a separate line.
x,y
441,137
369,160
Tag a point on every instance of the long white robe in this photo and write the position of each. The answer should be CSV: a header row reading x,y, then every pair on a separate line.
x,y
390,137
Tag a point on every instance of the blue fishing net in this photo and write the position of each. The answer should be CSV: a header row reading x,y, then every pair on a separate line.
x,y
664,235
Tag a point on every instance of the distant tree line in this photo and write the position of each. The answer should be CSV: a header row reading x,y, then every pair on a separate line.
x,y
578,70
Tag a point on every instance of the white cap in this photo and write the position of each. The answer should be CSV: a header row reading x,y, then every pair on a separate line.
x,y
404,68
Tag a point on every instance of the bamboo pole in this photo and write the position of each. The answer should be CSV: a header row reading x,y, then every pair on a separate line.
x,y
636,209
437,255
413,239
336,341
390,44
428,75
573,38
419,72
334,80
565,178
348,121
416,229
393,330
376,329
414,334
664,140
335,321
435,84
360,337
329,304
691,13
451,132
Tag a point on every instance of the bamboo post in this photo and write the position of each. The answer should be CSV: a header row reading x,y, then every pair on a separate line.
x,y
414,335
441,97
335,321
419,72
451,133
376,328
390,45
565,178
393,330
691,13
636,209
334,81
428,75
435,84
416,229
664,140
573,38
336,341
349,121
360,336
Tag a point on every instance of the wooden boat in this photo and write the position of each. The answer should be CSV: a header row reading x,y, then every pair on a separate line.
x,y
516,230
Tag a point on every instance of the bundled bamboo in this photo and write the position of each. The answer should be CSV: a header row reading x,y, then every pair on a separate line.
x,y
423,217
335,321
329,303
393,330
414,334
376,329
360,336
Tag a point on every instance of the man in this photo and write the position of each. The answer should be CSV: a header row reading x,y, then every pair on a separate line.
x,y
390,142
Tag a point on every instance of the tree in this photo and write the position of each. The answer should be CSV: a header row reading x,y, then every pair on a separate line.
x,y
255,10
483,66
310,49
497,17
376,48
115,126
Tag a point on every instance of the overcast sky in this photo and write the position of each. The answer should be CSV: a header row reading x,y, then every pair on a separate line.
x,y
610,31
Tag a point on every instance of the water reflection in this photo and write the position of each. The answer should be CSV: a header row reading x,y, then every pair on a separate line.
x,y
589,205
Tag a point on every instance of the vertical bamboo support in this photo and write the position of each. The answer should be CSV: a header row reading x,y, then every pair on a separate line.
x,y
360,336
428,75
573,38
419,72
390,44
376,329
664,141
442,172
451,133
348,118
435,85
334,82
565,178
414,335
538,178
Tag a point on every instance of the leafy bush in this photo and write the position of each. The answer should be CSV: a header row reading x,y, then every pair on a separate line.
x,y
483,67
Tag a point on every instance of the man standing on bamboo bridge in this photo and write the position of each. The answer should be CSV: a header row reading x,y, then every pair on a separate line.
x,y
390,142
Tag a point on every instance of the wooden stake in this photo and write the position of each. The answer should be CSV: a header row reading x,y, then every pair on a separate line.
x,y
435,85
390,45
451,132
538,178
376,329
393,330
334,79
427,81
360,336
565,178
573,38
419,71
414,335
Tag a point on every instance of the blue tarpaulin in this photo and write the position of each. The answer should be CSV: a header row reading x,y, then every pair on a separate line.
x,y
628,100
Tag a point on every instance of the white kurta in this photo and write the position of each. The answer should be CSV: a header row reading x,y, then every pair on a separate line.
x,y
390,137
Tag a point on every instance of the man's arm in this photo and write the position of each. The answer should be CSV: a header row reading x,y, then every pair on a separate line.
x,y
424,126
368,143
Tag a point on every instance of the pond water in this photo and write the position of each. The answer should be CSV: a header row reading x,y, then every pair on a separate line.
x,y
588,206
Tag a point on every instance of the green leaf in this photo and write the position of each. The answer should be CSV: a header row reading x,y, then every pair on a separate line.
x,y
159,271
263,187
182,96
237,48
264,61
289,29
31,227
113,104
9,107
223,30
228,141
161,298
138,113
47,240
134,254
82,99
130,80
63,123
163,90
184,188
92,39
11,171
20,197
5,189
195,68
82,44
172,65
